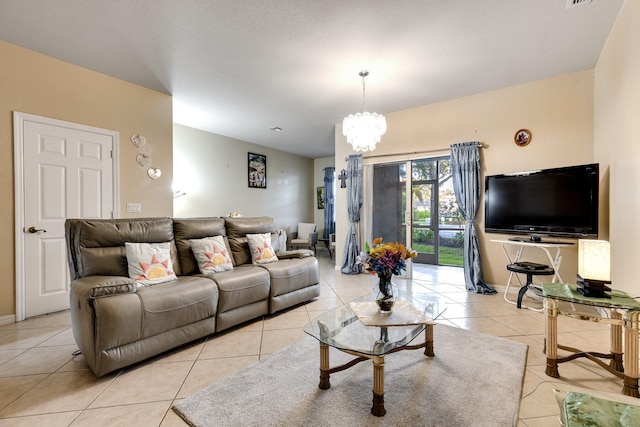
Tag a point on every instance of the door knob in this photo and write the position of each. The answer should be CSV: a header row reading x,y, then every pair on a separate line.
x,y
36,230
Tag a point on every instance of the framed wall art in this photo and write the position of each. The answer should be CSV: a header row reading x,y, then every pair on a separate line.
x,y
257,171
320,197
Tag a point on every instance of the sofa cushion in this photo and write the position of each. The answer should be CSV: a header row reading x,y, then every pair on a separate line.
x,y
242,286
237,230
186,229
212,254
239,227
96,246
292,274
109,261
173,304
150,263
261,250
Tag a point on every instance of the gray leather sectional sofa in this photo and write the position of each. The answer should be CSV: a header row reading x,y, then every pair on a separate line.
x,y
117,322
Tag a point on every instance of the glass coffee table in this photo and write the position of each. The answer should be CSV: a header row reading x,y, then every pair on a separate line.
x,y
358,329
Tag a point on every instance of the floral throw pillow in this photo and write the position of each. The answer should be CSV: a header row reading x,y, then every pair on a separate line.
x,y
212,255
150,263
261,250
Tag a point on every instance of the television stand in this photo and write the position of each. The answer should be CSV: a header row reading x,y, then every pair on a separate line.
x,y
534,239
513,250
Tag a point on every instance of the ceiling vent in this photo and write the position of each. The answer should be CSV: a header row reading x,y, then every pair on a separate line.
x,y
573,3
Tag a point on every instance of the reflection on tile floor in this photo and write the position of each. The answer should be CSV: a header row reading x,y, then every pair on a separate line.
x,y
41,382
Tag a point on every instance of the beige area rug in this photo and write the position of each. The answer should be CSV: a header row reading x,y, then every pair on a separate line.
x,y
473,380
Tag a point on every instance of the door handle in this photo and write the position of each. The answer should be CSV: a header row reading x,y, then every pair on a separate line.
x,y
36,230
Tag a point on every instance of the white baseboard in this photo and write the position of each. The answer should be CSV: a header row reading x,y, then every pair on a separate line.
x,y
5,320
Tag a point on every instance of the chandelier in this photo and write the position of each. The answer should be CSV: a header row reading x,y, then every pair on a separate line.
x,y
363,130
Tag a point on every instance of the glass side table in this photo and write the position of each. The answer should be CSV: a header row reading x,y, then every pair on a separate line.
x,y
620,312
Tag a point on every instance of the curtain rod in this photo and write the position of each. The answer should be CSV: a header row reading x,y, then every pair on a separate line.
x,y
408,153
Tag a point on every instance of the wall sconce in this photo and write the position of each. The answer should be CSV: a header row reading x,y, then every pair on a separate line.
x,y
594,268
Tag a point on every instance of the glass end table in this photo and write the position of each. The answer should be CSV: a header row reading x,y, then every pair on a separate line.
x,y
358,329
620,311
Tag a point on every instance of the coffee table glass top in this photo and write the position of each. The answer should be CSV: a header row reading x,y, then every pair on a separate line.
x,y
568,292
342,328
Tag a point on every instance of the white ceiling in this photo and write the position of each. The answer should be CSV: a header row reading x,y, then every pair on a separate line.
x,y
239,67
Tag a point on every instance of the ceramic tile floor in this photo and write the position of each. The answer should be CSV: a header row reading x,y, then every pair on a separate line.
x,y
42,383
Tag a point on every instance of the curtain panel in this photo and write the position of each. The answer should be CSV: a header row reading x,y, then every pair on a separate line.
x,y
465,167
354,203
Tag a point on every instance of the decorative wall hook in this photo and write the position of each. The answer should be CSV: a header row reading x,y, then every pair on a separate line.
x,y
343,178
143,160
154,173
138,140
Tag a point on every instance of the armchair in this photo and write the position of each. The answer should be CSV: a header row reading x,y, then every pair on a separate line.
x,y
306,237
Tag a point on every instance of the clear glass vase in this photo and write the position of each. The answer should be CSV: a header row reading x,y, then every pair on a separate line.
x,y
385,293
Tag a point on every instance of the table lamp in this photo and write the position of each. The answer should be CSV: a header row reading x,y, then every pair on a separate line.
x,y
594,268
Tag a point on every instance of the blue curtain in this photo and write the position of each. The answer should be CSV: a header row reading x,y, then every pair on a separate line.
x,y
329,216
354,203
465,168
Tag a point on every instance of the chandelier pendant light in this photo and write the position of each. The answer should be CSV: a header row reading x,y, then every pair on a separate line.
x,y
364,130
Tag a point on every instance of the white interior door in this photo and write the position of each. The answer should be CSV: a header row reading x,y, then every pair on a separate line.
x,y
68,171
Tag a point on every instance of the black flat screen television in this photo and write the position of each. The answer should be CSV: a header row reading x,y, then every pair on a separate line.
x,y
561,202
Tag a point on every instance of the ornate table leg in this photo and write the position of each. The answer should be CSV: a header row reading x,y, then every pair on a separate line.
x,y
324,367
428,339
616,342
378,387
630,387
551,337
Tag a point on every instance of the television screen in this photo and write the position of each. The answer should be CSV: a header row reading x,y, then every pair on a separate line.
x,y
559,202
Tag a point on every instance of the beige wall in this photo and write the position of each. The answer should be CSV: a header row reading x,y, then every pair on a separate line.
x,y
36,84
212,170
318,181
558,111
617,141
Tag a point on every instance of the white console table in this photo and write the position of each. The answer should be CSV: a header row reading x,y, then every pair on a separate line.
x,y
513,250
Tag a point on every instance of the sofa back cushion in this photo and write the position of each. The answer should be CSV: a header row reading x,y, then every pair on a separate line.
x,y
237,230
96,246
186,229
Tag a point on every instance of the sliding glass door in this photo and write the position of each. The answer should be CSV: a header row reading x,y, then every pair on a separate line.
x,y
389,202
435,226
424,210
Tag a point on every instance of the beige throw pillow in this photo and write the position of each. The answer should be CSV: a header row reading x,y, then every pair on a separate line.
x,y
261,250
212,255
150,263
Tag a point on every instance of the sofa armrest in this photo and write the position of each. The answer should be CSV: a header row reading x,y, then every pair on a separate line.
x,y
300,253
92,287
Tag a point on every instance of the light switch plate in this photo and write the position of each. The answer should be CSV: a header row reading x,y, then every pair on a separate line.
x,y
134,207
